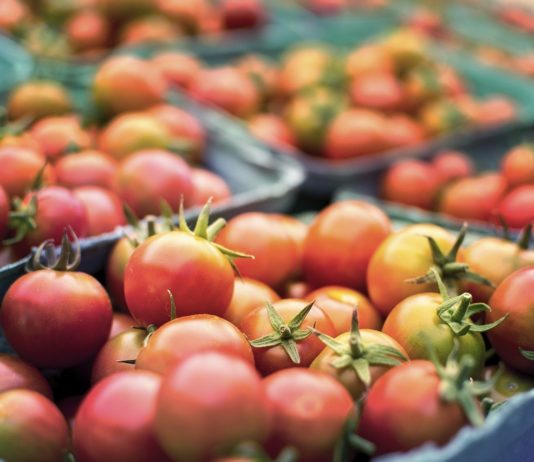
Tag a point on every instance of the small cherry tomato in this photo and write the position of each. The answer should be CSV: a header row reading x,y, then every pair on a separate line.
x,y
517,207
208,185
381,91
120,323
179,69
452,165
86,168
272,129
518,165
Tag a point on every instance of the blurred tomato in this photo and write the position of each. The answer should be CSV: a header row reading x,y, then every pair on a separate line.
x,y
518,165
86,168
15,373
452,165
178,68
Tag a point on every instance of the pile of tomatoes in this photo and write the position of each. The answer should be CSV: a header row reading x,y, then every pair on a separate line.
x,y
449,185
263,337
89,28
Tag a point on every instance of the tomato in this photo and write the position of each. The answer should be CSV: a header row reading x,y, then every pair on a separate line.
x,y
509,382
31,428
208,185
131,132
517,207
147,177
379,90
188,14
87,30
20,166
403,131
518,165
127,83
196,271
334,253
262,72
241,14
228,89
150,29
340,302
120,323
86,168
203,389
443,116
514,296
355,133
474,198
178,68
249,294
122,347
286,315
411,182
406,47
403,255
310,410
276,253
4,212
367,59
123,404
38,99
496,111
272,129
452,165
23,140
12,14
115,268
15,373
56,135
182,337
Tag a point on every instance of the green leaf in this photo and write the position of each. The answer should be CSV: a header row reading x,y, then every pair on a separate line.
x,y
201,227
437,255
379,360
527,354
442,289
486,327
469,275
476,308
182,222
300,334
342,362
267,341
332,343
297,321
290,347
215,228
274,318
451,256
361,366
384,350
362,445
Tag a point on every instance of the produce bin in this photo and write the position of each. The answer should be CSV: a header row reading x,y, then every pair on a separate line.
x,y
15,65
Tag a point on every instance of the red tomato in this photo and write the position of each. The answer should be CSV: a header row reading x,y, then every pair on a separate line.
x,y
276,254
517,207
115,269
518,165
178,68
150,29
310,410
241,14
206,388
127,83
451,165
116,420
120,323
402,131
272,129
404,410
515,297
495,111
182,337
4,212
147,177
86,168
340,243
411,182
340,302
208,185
104,209
31,428
87,29
15,373
12,13
369,58
249,294
258,324
379,90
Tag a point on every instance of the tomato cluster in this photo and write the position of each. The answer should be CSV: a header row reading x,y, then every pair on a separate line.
x,y
379,347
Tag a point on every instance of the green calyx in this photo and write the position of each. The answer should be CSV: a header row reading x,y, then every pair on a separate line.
x,y
359,357
350,443
22,219
150,225
285,335
527,354
16,127
456,311
69,257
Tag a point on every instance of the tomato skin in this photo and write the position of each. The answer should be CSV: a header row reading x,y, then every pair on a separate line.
x,y
182,337
416,317
179,69
369,59
31,428
451,165
404,410
496,110
240,14
206,388
152,29
333,250
272,129
115,269
403,255
509,383
15,373
380,90
86,168
517,207
208,185
249,294
514,296
122,404
198,275
120,323
339,303
310,409
56,319
518,165
402,131
268,360
87,30
4,212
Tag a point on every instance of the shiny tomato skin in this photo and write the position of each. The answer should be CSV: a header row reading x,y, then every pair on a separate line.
x,y
205,389
414,322
31,428
115,268
451,165
4,212
518,165
404,410
403,255
179,69
249,294
199,276
116,420
310,409
208,185
120,323
56,319
340,243
15,373
517,207
271,359
182,337
86,168
339,303
514,296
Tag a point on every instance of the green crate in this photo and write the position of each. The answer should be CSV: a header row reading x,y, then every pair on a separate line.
x,y
15,66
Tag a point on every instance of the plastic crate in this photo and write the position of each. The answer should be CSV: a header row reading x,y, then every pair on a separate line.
x,y
15,66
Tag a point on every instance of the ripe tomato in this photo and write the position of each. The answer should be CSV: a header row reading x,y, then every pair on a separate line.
x,y
187,14
12,13
86,168
509,382
514,296
150,29
120,323
15,373
443,116
205,388
310,410
182,337
272,129
334,253
122,404
31,428
115,269
262,72
402,130
411,182
178,68
87,30
276,253
147,177
4,212
292,342
379,90
517,207
249,294
518,165
340,302
452,165
496,111
241,14
367,59
127,83
208,185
